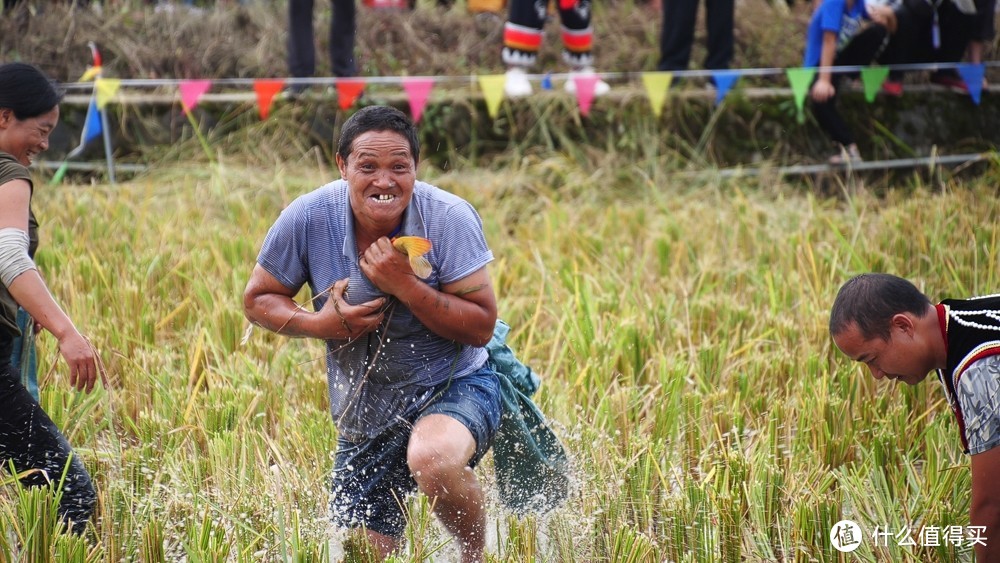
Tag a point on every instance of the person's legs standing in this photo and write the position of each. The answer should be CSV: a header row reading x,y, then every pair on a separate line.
x,y
578,42
447,442
522,39
301,49
719,21
577,33
677,34
859,51
31,441
343,28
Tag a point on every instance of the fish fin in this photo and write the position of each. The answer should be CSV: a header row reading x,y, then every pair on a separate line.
x,y
412,246
421,267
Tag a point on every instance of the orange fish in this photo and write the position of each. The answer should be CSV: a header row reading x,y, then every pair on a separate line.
x,y
415,248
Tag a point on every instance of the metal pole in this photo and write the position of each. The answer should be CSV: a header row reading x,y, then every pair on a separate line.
x,y
107,146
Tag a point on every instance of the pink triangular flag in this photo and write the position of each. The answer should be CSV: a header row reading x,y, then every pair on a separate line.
x,y
266,90
192,91
418,90
348,90
585,91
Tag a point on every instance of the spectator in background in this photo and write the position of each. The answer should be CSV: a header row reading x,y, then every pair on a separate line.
x,y
522,39
677,33
301,47
939,31
843,33
969,33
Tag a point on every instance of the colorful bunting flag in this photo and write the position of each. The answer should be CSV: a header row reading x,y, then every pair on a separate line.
x,y
547,81
872,78
800,79
492,87
106,89
91,73
972,74
418,90
91,125
266,90
92,129
192,91
348,91
657,84
724,82
585,84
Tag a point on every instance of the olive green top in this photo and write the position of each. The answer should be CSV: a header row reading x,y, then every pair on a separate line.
x,y
11,169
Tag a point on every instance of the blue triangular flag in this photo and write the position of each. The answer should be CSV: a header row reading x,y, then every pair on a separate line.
x,y
547,81
972,74
724,81
92,123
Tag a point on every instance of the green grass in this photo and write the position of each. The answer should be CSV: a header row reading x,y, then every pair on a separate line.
x,y
679,325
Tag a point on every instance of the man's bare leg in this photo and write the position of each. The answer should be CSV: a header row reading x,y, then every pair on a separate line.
x,y
438,455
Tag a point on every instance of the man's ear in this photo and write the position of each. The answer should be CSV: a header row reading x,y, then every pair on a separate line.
x,y
6,117
903,322
341,165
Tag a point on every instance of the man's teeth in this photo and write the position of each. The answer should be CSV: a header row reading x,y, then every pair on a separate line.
x,y
385,197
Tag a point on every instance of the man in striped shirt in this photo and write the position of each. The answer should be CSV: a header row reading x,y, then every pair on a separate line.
x,y
886,323
415,403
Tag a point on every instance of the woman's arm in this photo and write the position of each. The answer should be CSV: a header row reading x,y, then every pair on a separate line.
x,y
30,292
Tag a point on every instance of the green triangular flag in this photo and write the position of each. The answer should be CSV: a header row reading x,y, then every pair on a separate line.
x,y
873,77
800,79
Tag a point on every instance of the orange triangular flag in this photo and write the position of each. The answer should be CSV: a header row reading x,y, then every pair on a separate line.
x,y
418,90
492,87
348,90
657,84
266,90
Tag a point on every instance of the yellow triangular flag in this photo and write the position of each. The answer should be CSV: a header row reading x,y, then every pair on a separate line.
x,y
106,89
90,73
492,87
657,84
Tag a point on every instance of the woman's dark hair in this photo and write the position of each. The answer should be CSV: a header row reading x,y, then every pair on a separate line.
x,y
377,118
871,300
27,91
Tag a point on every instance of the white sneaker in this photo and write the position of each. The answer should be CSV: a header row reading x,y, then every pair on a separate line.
x,y
600,87
517,85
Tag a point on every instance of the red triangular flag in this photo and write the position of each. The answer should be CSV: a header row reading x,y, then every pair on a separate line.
x,y
418,90
192,91
348,90
266,90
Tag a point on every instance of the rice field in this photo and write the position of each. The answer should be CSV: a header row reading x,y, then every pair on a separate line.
x,y
678,322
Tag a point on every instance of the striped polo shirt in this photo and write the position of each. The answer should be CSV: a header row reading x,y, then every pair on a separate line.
x,y
388,374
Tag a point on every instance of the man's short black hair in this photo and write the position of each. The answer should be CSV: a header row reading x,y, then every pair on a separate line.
x,y
377,118
871,300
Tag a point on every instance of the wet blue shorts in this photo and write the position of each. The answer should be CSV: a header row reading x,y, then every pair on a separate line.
x,y
371,479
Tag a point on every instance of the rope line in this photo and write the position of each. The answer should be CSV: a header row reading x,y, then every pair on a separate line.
x,y
471,78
